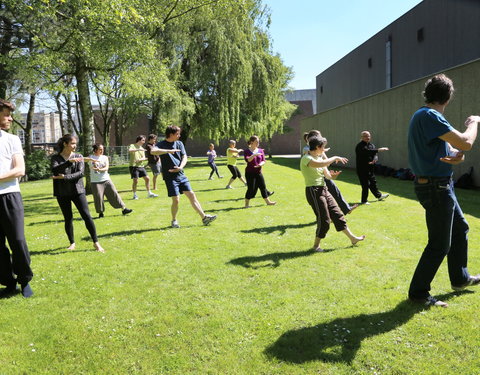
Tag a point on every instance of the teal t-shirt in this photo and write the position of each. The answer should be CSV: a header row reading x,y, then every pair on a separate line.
x,y
312,176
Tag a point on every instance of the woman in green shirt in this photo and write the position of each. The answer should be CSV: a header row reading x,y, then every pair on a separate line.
x,y
315,170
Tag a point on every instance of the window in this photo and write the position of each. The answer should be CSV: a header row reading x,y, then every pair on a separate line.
x,y
420,35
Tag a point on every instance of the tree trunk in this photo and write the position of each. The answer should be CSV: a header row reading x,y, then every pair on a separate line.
x,y
28,125
5,48
60,113
88,131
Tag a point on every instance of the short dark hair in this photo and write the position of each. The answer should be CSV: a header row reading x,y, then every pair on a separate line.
x,y
438,89
152,136
314,142
5,104
171,129
139,138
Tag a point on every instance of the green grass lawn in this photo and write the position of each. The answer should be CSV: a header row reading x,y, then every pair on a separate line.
x,y
245,295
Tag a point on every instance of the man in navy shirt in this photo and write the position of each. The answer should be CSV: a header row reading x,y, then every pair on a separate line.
x,y
173,159
433,147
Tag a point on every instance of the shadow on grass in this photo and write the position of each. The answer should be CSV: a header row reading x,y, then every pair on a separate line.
x,y
123,233
62,250
277,228
273,259
339,340
228,200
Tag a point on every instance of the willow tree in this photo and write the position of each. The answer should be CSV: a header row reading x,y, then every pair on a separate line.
x,y
221,60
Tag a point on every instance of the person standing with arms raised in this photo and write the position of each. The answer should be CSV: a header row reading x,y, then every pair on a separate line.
x,y
433,147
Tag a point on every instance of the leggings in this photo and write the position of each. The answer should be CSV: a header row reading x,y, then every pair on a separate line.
x,y
80,202
255,181
214,169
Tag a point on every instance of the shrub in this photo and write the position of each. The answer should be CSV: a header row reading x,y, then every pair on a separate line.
x,y
37,165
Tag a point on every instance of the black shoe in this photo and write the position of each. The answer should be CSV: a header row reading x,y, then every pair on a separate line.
x,y
429,301
100,215
27,291
270,193
126,211
472,281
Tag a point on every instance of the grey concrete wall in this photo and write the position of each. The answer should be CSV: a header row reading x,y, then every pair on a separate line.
x,y
387,114
451,30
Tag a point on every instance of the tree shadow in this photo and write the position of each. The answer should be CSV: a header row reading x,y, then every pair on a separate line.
x,y
277,228
339,340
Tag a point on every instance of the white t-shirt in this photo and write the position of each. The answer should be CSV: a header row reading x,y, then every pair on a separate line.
x,y
9,145
101,162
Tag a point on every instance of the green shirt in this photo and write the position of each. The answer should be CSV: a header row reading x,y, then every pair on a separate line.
x,y
231,157
312,176
135,157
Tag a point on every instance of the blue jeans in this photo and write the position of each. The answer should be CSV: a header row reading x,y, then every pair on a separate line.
x,y
447,236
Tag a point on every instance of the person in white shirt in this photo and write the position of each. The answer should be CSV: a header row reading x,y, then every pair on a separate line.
x,y
12,167
102,184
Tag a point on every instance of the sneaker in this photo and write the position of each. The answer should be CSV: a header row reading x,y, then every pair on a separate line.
x,y
135,196
429,301
175,224
270,193
207,219
472,281
365,202
220,176
100,215
126,211
228,187
383,196
210,178
152,195
27,291
9,291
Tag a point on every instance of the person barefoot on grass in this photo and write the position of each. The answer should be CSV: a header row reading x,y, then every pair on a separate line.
x,y
232,155
314,170
331,186
255,158
68,169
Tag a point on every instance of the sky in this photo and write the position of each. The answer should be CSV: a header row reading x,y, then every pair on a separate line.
x,y
311,35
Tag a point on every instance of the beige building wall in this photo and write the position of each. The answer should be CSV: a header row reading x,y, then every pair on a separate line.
x,y
387,114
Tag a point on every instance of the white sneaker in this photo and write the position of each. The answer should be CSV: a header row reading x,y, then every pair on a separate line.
x,y
384,196
175,224
135,196
228,187
152,195
208,219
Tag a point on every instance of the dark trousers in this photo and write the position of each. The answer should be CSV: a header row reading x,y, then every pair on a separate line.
x,y
447,236
234,171
368,181
326,210
214,169
255,181
12,229
342,203
80,202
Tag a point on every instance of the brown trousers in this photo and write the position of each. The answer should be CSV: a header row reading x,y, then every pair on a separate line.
x,y
326,210
106,188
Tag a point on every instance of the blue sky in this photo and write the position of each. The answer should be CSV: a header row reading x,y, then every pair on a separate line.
x,y
311,35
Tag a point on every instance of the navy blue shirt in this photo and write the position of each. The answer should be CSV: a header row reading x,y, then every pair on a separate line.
x,y
170,160
424,147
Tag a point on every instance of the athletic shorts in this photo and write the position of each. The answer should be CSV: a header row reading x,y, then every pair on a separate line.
x,y
136,172
156,168
177,186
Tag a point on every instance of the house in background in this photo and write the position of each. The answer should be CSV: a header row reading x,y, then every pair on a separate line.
x,y
46,129
378,85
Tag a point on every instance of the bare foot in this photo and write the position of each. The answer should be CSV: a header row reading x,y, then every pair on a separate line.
x,y
271,203
98,247
357,239
352,208
71,247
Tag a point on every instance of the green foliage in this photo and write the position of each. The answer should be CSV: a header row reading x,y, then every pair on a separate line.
x,y
37,165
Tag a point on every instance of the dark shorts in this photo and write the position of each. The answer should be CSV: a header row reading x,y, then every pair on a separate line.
x,y
156,168
136,172
177,186
234,171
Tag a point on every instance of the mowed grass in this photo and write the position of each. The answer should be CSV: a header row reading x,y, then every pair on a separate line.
x,y
245,295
